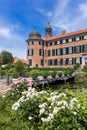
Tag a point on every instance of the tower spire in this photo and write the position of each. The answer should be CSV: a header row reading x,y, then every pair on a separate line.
x,y
48,30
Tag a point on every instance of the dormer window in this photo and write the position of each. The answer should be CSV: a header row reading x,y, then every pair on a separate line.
x,y
85,36
58,42
70,40
77,38
63,41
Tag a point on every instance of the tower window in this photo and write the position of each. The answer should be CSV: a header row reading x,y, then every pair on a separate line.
x,y
30,43
41,52
30,52
30,62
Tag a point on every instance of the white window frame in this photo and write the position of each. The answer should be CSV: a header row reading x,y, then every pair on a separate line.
x,y
78,60
58,42
85,37
64,51
70,40
70,50
58,51
77,38
70,61
64,41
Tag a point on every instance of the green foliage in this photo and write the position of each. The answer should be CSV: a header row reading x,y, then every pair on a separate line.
x,y
76,66
85,68
6,57
19,67
21,118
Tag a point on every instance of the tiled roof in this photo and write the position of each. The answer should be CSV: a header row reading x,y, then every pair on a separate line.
x,y
17,59
64,35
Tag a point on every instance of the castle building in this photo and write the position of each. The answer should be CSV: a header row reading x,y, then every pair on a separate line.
x,y
63,50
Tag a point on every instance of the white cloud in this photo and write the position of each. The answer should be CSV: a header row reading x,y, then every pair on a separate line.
x,y
5,32
83,9
11,40
44,12
69,20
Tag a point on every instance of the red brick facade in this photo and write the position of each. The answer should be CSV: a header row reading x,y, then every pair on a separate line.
x,y
63,50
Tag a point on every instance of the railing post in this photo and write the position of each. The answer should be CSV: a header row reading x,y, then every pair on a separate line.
x,y
7,79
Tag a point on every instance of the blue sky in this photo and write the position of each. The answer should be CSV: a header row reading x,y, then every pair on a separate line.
x,y
19,17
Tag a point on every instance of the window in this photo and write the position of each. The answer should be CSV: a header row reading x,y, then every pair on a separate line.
x,y
53,52
63,41
64,61
45,52
85,37
85,48
70,61
64,50
41,52
48,44
58,51
78,49
78,60
70,40
53,43
70,50
42,62
30,52
49,62
77,38
41,43
30,43
49,52
58,61
30,62
55,62
58,42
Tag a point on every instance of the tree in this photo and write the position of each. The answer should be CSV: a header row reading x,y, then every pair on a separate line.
x,y
6,57
19,67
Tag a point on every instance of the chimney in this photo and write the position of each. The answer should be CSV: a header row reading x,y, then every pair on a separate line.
x,y
63,32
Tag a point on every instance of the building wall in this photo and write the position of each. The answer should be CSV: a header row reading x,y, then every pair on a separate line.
x,y
36,58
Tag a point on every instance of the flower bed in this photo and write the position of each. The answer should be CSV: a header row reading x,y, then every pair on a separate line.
x,y
30,109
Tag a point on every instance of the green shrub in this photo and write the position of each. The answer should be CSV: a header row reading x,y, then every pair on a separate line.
x,y
85,68
76,66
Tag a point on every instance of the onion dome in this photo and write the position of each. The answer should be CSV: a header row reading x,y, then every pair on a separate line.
x,y
34,35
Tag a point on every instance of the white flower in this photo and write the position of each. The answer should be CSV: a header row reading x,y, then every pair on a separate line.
x,y
3,96
30,118
48,119
51,115
42,105
42,110
78,105
15,106
55,111
74,113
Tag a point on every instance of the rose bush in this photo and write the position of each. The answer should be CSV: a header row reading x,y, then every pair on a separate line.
x,y
50,110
